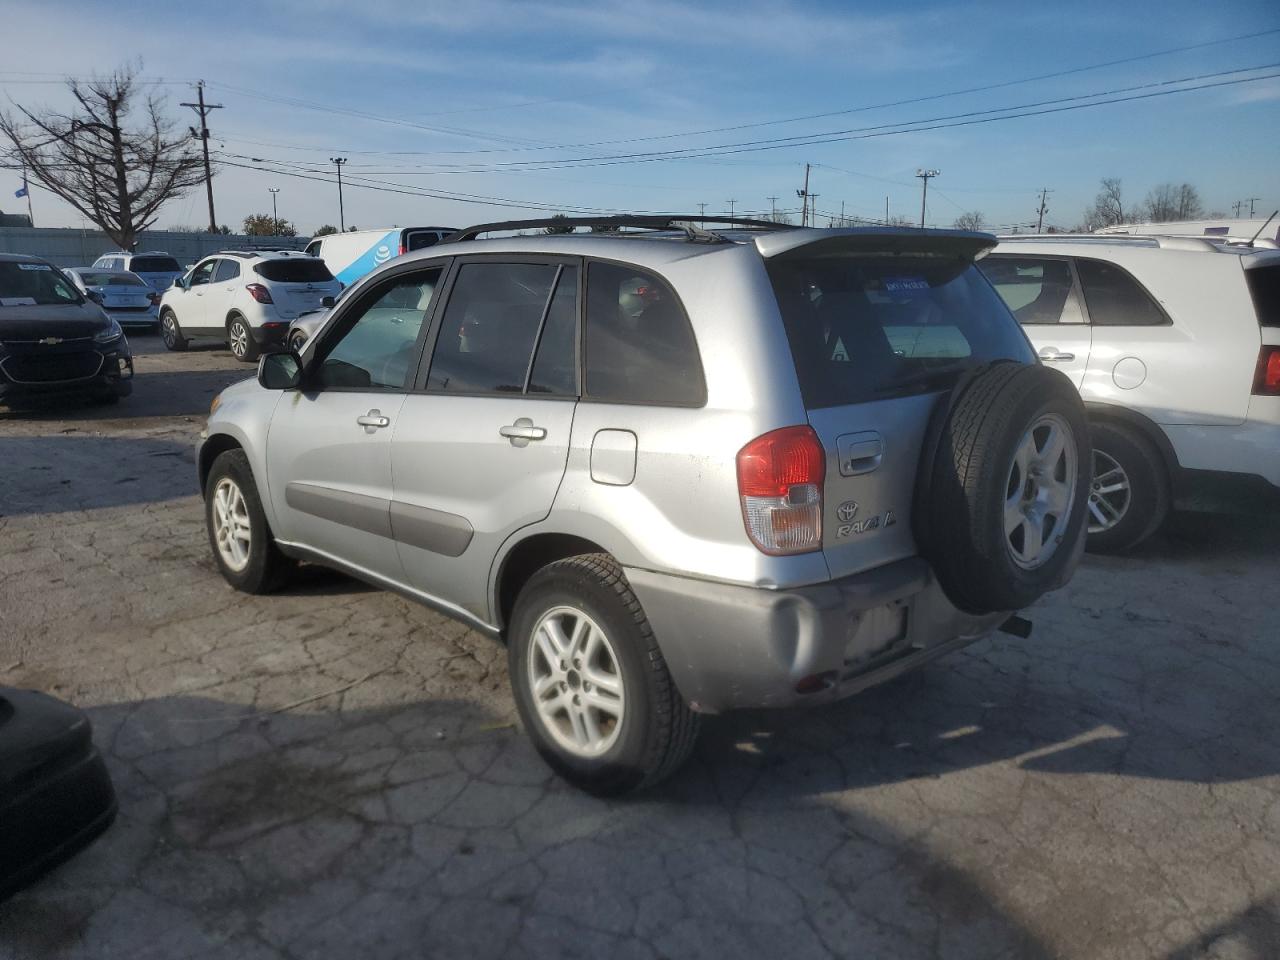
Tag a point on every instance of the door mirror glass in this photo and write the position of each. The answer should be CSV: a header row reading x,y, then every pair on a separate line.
x,y
280,371
326,301
95,296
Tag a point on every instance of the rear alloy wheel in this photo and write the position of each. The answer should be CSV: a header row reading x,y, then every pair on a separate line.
x,y
1129,492
1109,495
240,340
171,333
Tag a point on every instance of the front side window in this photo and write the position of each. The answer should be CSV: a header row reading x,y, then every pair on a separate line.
x,y
200,276
639,345
1115,299
491,326
379,348
227,270
1036,289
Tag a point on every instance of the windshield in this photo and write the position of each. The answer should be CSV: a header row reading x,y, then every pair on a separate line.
x,y
864,328
34,283
110,280
154,265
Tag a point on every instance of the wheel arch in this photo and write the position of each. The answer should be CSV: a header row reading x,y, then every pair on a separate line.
x,y
210,450
526,558
1147,428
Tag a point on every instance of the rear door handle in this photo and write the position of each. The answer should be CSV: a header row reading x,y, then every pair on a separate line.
x,y
522,431
1052,355
372,420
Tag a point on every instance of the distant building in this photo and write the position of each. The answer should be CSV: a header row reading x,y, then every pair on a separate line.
x,y
14,219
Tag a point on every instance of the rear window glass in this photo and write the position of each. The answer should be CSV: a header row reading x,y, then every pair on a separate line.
x,y
154,265
639,346
1115,299
1264,286
111,280
869,328
294,271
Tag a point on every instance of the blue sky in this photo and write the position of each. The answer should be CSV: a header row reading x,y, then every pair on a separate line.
x,y
491,97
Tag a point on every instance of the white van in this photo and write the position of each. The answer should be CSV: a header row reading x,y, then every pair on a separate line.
x,y
349,256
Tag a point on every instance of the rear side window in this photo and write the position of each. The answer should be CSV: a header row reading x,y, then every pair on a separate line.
x,y
1115,299
1037,290
227,270
869,328
294,271
422,239
490,327
154,265
1264,287
639,345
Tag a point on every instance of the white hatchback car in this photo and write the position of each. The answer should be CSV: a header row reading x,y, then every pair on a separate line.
x,y
245,299
1174,343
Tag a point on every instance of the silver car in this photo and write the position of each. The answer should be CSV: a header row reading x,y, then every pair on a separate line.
x,y
126,297
677,471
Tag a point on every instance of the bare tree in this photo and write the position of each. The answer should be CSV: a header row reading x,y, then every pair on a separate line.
x,y
1174,201
973,220
117,174
1108,205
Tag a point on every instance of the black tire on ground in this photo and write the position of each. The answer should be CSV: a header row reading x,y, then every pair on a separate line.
x,y
267,568
170,332
1149,495
966,486
298,342
658,730
238,332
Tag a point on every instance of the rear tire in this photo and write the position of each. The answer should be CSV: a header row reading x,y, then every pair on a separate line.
x,y
170,332
239,338
644,730
243,547
298,342
1121,517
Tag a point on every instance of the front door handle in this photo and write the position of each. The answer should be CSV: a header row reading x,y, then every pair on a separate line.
x,y
1052,355
372,420
522,431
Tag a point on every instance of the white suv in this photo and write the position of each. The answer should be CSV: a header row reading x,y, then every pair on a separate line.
x,y
245,299
156,267
1174,343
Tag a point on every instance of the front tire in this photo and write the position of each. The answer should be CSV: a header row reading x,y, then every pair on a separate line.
x,y
243,347
590,683
1129,489
171,333
242,544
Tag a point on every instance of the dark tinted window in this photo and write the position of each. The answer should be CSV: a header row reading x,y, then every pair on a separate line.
x,y
639,346
1036,290
1115,299
227,270
1264,285
489,328
555,368
154,265
38,283
301,270
378,349
422,239
867,328
201,274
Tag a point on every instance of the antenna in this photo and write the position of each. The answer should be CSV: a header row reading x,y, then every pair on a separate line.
x,y
1264,226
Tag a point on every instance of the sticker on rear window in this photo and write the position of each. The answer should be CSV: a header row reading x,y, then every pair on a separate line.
x,y
34,266
909,286
17,301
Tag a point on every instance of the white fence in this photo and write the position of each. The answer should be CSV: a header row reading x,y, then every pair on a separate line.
x,y
71,247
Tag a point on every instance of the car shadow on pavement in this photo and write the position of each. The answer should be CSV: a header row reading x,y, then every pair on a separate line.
x,y
57,474
433,828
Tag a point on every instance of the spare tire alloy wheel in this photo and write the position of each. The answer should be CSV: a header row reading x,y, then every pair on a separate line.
x,y
232,527
576,683
1040,491
1110,493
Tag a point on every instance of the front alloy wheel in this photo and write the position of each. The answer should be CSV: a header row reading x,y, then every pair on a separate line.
x,y
232,530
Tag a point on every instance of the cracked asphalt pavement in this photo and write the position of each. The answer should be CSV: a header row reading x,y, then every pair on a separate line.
x,y
336,772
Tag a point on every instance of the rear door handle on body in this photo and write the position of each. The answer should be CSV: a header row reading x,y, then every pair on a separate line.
x,y
372,420
1053,355
522,431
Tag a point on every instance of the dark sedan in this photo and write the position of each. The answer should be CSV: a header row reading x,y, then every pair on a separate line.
x,y
53,339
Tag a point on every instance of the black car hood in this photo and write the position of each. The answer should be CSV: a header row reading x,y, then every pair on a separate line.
x,y
68,321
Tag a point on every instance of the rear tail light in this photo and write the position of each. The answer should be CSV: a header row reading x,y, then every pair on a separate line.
x,y
259,292
403,248
1266,382
154,298
780,478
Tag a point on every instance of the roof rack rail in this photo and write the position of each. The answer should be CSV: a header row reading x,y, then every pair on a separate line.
x,y
673,221
1163,241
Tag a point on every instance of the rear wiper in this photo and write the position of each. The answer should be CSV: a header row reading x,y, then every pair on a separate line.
x,y
923,377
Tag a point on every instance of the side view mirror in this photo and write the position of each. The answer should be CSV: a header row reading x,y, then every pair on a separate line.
x,y
327,301
95,296
280,371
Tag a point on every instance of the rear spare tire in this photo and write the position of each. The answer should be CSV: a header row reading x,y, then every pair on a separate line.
x,y
1002,496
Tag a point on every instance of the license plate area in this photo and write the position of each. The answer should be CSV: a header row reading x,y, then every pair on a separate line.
x,y
874,632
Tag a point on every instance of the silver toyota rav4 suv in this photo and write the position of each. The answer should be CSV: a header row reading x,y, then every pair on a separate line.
x,y
677,471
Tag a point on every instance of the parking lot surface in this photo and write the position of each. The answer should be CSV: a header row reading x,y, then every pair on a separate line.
x,y
336,772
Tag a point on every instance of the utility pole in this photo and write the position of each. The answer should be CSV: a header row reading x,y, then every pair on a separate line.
x,y
1235,208
925,176
1044,195
813,209
202,135
804,198
773,208
842,223
731,203
275,217
702,212
1252,201
338,162
886,211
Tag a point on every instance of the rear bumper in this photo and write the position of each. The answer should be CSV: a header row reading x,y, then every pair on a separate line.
x,y
135,318
731,647
1251,447
271,332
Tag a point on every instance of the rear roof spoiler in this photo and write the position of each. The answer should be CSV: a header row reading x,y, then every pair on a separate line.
x,y
826,242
